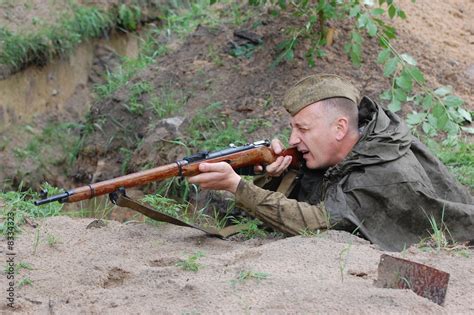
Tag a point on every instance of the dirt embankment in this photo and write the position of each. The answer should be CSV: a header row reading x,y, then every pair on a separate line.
x,y
202,71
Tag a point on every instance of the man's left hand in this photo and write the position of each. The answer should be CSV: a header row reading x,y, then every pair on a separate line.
x,y
217,176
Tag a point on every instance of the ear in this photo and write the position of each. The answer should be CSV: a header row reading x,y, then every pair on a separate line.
x,y
342,127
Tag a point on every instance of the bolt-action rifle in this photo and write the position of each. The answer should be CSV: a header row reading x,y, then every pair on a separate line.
x,y
257,153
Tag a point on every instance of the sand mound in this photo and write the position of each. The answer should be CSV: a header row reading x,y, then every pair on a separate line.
x,y
132,268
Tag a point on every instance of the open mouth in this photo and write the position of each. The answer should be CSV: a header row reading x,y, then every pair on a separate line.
x,y
305,153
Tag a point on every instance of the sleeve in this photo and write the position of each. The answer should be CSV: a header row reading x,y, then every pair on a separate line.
x,y
281,213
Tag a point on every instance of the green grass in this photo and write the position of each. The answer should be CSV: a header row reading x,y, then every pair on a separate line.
x,y
459,159
185,17
191,263
60,136
121,76
251,125
343,260
21,203
52,240
440,238
246,275
166,103
168,206
252,230
25,281
311,233
210,131
98,207
22,49
18,267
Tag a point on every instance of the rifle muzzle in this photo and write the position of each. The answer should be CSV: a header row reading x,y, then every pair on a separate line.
x,y
61,198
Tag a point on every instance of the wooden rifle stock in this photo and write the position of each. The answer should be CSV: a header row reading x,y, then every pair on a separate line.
x,y
257,153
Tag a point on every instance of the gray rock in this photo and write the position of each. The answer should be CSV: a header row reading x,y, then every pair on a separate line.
x,y
469,72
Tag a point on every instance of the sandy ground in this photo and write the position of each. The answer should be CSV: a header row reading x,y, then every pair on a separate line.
x,y
132,268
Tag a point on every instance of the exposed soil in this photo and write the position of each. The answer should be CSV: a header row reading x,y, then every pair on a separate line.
x,y
131,268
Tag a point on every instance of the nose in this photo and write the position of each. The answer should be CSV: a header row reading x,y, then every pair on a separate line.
x,y
294,138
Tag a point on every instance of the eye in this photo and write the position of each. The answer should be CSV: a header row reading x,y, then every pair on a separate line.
x,y
303,129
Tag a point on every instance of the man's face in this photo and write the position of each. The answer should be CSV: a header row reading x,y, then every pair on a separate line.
x,y
313,132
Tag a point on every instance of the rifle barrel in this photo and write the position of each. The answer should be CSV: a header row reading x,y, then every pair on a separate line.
x,y
252,154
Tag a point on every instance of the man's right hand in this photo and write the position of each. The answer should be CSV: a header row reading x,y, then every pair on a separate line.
x,y
276,168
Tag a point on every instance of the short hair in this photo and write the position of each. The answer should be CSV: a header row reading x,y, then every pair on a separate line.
x,y
343,106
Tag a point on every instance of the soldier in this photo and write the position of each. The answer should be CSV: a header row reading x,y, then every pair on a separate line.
x,y
363,172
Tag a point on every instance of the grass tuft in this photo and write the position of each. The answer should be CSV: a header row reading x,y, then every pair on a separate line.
x,y
191,263
246,275
23,49
252,230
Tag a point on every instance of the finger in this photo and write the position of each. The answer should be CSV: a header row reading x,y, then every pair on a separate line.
x,y
284,164
277,146
277,169
204,178
214,167
287,161
258,168
273,167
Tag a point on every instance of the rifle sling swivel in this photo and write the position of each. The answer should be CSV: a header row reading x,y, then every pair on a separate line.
x,y
180,164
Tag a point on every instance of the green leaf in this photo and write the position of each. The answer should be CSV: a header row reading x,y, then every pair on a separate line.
x,y
289,55
390,67
415,118
454,115
468,130
347,48
427,102
417,74
356,37
432,120
354,10
386,95
441,116
428,129
400,95
362,20
356,54
408,59
465,114
395,105
383,55
390,32
451,128
371,28
213,1
417,99
443,91
391,11
377,11
453,101
450,141
405,82
402,14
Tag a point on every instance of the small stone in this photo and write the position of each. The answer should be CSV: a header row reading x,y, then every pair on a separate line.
x,y
469,72
96,224
453,62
